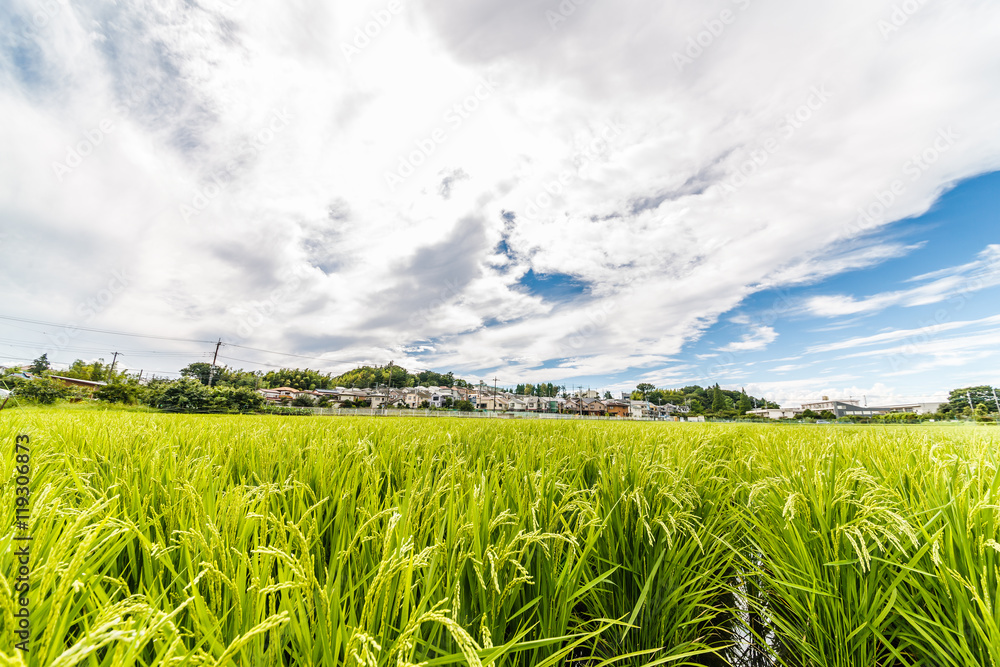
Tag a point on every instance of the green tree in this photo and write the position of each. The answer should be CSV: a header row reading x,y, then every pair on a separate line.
x,y
40,365
464,406
303,401
200,371
118,392
184,395
718,400
744,406
79,370
958,399
644,388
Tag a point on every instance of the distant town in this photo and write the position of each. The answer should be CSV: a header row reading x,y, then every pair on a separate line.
x,y
207,387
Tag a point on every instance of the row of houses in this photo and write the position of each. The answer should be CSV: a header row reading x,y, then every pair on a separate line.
x,y
585,403
846,408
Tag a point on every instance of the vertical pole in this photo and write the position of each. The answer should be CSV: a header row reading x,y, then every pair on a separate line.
x,y
995,399
388,388
211,371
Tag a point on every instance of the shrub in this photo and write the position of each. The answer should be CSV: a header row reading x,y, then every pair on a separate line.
x,y
184,396
118,392
303,401
41,390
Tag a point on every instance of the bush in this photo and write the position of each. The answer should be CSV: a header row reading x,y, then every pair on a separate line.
x,y
464,406
303,401
118,392
184,395
41,390
282,410
246,399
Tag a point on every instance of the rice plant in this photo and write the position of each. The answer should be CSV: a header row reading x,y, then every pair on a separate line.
x,y
257,540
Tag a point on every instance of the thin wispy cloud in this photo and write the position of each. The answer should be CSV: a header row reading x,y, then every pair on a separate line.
x,y
939,286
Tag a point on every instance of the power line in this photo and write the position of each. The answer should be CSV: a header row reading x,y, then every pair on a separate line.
x,y
288,354
103,331
247,361
72,348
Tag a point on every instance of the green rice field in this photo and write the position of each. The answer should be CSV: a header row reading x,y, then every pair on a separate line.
x,y
380,542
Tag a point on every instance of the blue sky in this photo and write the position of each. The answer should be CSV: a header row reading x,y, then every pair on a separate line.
x,y
945,338
805,205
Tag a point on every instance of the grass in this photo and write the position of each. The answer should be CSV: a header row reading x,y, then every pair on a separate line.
x,y
257,540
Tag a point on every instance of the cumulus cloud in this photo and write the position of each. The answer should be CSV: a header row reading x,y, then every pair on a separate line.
x,y
348,187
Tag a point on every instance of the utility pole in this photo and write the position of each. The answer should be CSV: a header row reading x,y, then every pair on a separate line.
x,y
494,394
388,387
211,371
995,399
113,361
971,406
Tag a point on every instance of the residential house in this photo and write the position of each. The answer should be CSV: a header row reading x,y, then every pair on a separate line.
x,y
774,413
275,395
642,410
617,408
497,402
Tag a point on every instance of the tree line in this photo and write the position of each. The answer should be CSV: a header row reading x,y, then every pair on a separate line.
x,y
204,387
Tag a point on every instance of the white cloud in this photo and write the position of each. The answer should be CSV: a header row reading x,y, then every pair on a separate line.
x,y
958,281
757,339
919,333
618,167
